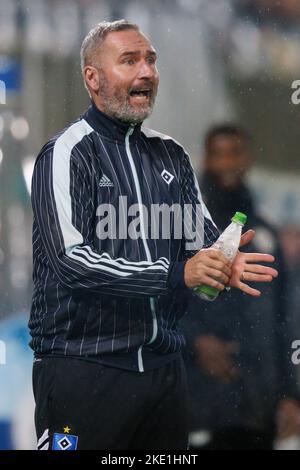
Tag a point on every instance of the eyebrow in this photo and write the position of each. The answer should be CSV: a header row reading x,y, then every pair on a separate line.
x,y
131,53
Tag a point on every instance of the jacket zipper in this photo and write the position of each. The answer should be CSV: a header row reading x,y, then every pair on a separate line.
x,y
148,254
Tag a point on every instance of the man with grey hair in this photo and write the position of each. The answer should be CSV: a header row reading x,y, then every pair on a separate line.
x,y
124,103
108,370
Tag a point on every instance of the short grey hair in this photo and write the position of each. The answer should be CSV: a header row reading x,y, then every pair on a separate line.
x,y
95,38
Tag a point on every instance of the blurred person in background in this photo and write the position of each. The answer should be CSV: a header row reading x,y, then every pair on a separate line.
x,y
290,239
238,351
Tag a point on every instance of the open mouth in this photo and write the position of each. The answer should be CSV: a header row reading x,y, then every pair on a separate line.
x,y
145,93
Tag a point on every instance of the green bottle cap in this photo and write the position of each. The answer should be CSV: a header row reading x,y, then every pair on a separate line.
x,y
240,218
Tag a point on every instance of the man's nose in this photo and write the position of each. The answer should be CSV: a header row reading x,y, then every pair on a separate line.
x,y
146,70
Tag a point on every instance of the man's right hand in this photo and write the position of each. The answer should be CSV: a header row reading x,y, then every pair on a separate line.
x,y
215,357
208,267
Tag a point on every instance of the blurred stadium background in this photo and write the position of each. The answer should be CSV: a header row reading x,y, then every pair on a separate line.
x,y
220,60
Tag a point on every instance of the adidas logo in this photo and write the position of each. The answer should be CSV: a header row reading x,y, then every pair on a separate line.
x,y
105,182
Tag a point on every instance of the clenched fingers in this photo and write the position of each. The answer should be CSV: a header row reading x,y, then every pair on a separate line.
x,y
218,275
209,281
218,256
218,265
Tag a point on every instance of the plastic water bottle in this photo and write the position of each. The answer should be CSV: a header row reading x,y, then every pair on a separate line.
x,y
228,243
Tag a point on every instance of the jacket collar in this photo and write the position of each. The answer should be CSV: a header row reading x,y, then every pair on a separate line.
x,y
108,127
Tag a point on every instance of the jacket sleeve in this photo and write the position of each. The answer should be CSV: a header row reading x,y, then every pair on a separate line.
x,y
199,230
64,211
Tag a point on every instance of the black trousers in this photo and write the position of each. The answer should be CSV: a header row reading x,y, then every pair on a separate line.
x,y
106,408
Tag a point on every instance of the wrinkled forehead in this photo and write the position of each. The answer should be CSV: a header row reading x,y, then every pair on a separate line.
x,y
119,42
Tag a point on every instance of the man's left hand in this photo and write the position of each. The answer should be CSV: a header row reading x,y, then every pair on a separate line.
x,y
246,268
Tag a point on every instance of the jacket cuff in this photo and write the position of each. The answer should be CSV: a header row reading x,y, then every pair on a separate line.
x,y
176,275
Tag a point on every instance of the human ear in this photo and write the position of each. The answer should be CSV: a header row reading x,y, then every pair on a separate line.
x,y
91,77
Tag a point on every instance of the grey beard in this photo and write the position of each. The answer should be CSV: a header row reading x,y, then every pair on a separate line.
x,y
117,106
126,113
